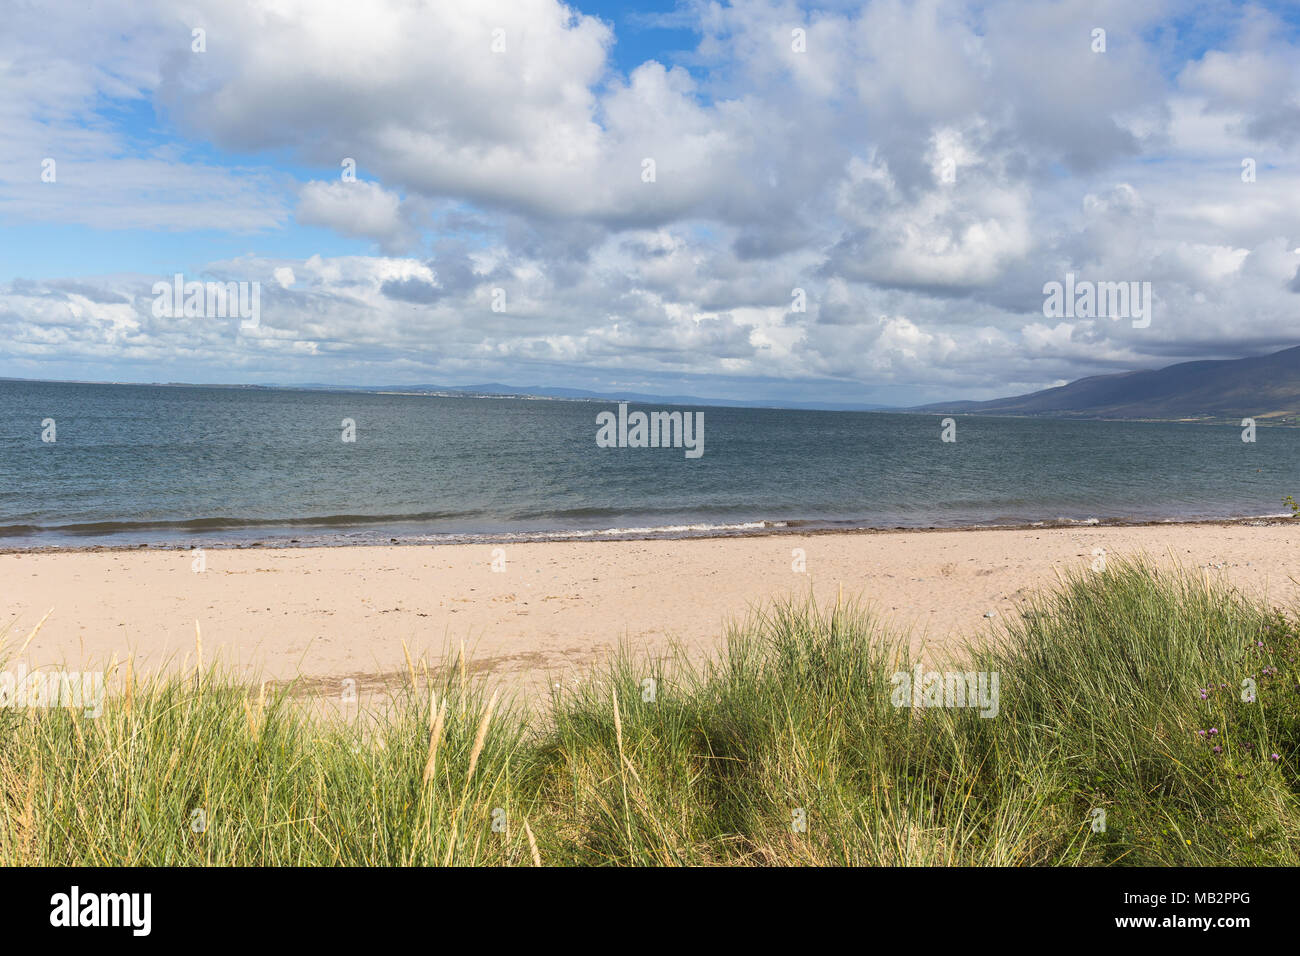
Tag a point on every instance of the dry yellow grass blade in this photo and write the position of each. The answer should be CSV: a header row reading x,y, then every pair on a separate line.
x,y
451,844
29,805
198,653
464,683
172,761
532,844
618,723
618,733
635,776
435,737
76,725
32,635
410,668
255,720
481,737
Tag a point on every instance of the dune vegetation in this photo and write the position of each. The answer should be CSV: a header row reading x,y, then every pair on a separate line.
x,y
1144,717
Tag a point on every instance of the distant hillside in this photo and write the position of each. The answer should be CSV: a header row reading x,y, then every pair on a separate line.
x,y
1264,388
497,390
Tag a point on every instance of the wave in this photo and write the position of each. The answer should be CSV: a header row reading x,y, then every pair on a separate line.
x,y
405,528
222,523
375,523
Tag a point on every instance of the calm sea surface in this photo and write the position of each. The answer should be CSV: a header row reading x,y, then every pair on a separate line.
x,y
162,465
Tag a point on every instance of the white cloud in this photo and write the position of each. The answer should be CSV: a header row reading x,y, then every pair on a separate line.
x,y
360,208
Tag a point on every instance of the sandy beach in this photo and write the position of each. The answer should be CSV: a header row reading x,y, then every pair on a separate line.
x,y
336,613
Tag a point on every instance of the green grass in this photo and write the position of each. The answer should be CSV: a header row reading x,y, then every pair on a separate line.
x,y
1104,686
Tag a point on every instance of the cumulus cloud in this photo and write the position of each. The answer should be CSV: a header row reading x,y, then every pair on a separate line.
x,y
361,208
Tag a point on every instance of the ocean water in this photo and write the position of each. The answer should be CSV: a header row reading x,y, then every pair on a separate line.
x,y
193,466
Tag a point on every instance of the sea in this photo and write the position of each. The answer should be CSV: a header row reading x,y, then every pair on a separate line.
x,y
85,465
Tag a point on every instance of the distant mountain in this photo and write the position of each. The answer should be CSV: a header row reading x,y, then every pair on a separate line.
x,y
1263,388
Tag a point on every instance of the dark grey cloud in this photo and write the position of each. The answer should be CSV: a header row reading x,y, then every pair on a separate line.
x,y
416,291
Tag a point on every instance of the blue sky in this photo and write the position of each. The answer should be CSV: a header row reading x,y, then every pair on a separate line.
x,y
517,176
49,250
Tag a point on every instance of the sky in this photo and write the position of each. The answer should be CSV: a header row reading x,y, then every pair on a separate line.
x,y
834,202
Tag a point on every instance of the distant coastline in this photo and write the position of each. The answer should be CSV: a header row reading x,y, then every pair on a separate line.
x,y
521,393
1264,390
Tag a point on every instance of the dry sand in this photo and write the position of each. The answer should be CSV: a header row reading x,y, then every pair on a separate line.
x,y
336,613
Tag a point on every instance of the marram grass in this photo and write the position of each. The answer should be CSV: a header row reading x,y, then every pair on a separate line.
x,y
1144,717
